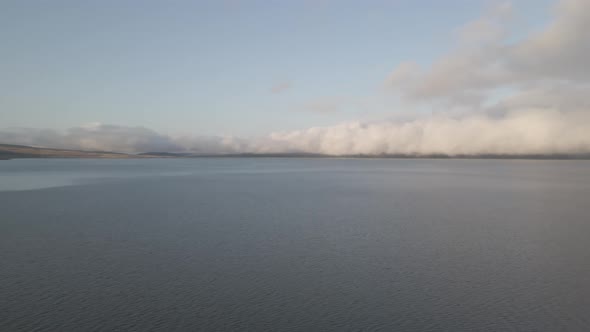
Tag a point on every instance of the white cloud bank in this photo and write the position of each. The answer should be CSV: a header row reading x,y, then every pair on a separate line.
x,y
547,109
521,132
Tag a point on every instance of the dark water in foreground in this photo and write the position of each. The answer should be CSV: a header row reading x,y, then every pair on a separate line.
x,y
294,245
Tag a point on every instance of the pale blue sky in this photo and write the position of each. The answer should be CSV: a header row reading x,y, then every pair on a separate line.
x,y
208,67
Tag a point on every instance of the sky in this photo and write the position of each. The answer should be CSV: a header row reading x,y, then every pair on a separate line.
x,y
337,77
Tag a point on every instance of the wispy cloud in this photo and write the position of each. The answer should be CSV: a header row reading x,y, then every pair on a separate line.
x,y
323,105
281,87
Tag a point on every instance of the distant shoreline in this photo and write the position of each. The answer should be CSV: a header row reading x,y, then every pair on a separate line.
x,y
9,151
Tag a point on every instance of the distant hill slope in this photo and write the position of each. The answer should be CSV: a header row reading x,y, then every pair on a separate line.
x,y
9,151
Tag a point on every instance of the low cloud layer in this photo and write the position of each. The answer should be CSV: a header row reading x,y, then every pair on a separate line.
x,y
536,131
521,132
96,137
102,137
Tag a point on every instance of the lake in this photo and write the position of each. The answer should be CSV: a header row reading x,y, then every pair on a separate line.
x,y
263,244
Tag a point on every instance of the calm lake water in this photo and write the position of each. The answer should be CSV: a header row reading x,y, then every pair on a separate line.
x,y
294,245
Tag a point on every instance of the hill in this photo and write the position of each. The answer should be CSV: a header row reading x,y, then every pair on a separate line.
x,y
9,151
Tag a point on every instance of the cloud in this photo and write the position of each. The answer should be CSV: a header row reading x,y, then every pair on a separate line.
x,y
528,131
489,28
281,87
96,137
462,75
534,131
558,52
485,61
563,96
323,105
104,137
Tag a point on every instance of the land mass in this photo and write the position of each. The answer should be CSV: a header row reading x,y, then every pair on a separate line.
x,y
10,151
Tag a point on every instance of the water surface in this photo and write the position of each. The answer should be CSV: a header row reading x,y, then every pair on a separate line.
x,y
294,245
